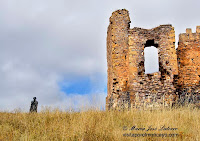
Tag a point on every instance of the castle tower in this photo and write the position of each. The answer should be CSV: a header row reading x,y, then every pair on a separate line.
x,y
188,54
117,50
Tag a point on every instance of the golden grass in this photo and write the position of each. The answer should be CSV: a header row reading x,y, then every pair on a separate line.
x,y
100,125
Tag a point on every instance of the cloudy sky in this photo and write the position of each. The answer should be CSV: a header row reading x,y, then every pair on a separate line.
x,y
56,49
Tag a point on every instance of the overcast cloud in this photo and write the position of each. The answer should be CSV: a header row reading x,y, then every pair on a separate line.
x,y
45,43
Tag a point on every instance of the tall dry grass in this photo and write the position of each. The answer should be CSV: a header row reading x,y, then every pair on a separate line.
x,y
100,125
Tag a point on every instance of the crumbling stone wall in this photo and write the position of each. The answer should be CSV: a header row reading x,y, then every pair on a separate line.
x,y
156,88
117,56
128,85
188,53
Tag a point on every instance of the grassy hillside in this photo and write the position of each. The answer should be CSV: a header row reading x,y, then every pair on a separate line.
x,y
183,123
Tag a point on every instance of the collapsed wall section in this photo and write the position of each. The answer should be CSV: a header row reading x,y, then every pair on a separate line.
x,y
149,90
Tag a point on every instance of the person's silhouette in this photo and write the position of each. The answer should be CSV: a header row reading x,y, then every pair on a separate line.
x,y
34,105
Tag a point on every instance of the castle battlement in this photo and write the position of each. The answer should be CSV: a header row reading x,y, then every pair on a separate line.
x,y
189,36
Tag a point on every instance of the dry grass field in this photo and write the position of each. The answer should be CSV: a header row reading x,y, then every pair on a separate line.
x,y
95,125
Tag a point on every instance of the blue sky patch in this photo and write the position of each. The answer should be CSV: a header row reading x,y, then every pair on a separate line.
x,y
96,83
77,86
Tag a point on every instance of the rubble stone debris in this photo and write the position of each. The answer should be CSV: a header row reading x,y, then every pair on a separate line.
x,y
177,80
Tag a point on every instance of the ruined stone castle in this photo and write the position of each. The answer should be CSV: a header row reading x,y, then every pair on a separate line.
x,y
177,80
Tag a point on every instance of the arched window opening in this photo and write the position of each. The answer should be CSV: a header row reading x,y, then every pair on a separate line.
x,y
151,64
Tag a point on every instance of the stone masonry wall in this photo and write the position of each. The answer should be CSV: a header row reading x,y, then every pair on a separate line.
x,y
117,55
157,88
128,85
188,53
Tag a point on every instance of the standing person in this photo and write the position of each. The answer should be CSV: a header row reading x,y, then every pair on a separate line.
x,y
34,105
